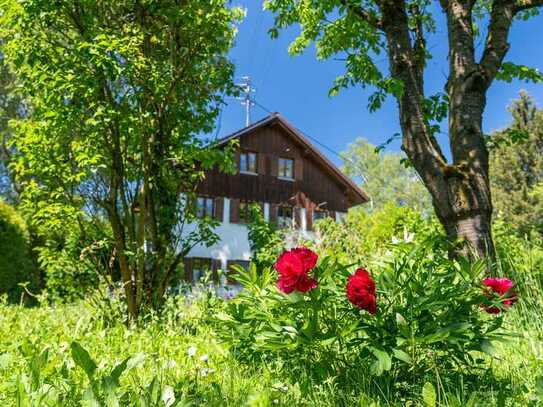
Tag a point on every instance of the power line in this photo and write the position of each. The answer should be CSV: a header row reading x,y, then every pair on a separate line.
x,y
329,149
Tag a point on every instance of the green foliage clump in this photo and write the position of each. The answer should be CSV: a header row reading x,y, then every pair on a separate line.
x,y
16,264
264,238
362,235
76,260
82,353
429,318
516,169
386,177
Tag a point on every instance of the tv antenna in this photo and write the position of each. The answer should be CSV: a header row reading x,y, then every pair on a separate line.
x,y
246,98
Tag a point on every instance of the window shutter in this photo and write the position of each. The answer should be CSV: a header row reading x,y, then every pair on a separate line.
x,y
188,270
215,267
234,210
273,213
218,209
298,168
309,218
274,166
236,159
261,164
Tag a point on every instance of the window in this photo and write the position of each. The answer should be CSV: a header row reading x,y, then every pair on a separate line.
x,y
244,264
286,168
200,267
204,207
317,215
285,216
247,162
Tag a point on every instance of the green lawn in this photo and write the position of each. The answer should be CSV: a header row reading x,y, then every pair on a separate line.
x,y
37,365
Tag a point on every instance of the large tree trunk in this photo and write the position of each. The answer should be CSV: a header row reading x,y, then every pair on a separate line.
x,y
460,192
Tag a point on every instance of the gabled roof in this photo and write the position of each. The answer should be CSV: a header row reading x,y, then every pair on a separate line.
x,y
277,119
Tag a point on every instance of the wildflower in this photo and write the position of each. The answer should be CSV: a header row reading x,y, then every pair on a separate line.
x,y
171,364
361,291
204,358
293,267
502,287
191,351
206,371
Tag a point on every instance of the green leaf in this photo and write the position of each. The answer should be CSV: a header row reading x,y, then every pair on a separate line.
x,y
383,362
539,386
82,359
488,347
89,399
401,355
429,396
118,371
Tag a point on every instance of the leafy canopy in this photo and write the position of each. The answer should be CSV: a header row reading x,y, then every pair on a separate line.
x,y
516,175
119,94
385,177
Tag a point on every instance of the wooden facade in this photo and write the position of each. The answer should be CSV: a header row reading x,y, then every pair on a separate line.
x,y
316,183
279,169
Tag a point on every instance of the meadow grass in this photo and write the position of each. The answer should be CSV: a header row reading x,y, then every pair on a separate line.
x,y
177,358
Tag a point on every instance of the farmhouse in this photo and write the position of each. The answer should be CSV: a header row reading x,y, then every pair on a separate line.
x,y
282,171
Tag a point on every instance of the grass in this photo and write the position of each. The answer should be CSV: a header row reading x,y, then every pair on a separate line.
x,y
41,366
37,367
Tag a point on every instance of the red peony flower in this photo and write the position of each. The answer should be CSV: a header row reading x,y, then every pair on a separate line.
x,y
293,267
500,286
361,291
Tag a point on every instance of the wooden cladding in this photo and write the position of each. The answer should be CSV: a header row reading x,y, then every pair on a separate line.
x,y
270,143
218,212
234,210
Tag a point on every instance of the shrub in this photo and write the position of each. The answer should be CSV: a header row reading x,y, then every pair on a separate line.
x,y
362,234
16,265
73,260
429,315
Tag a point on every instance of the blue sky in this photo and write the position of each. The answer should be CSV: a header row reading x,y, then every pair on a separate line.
x,y
297,87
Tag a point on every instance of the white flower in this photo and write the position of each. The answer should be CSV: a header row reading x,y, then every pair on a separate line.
x,y
284,388
204,358
275,401
191,351
205,371
171,364
408,237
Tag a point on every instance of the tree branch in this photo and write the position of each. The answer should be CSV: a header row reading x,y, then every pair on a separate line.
x,y
501,19
522,5
369,18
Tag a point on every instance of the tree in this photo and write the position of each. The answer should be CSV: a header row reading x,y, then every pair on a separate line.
x,y
385,177
363,29
120,92
516,171
11,107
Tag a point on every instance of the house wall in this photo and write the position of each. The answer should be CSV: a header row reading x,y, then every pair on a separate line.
x,y
313,187
234,239
310,177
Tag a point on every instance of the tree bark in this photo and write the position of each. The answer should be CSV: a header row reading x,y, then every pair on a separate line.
x,y
460,192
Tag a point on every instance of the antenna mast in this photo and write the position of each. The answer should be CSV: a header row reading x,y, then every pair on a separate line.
x,y
246,100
